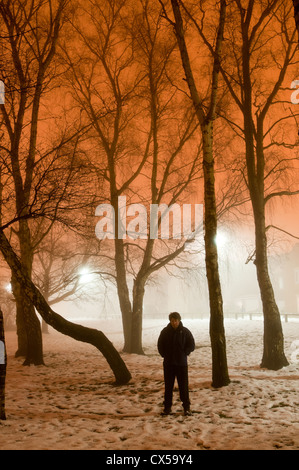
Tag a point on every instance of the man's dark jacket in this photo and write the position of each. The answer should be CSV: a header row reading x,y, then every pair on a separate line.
x,y
175,345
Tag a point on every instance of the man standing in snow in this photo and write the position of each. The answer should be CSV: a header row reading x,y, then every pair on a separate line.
x,y
175,343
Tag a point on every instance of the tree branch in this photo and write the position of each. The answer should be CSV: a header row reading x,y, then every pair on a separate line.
x,y
280,194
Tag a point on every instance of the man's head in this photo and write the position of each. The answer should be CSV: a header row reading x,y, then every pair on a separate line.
x,y
175,319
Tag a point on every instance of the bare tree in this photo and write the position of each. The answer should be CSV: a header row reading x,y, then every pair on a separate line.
x,y
140,129
206,114
262,42
44,169
32,30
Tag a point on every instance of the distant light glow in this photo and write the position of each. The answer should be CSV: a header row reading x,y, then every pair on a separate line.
x,y
221,239
85,276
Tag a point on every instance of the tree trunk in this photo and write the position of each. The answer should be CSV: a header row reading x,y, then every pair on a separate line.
x,y
131,317
34,354
220,376
27,315
3,361
78,332
136,335
123,293
28,330
273,354
20,324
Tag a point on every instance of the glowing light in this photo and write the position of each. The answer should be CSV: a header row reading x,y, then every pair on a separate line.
x,y
221,239
85,276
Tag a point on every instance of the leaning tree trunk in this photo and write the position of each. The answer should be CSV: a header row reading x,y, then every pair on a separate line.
x,y
3,360
78,332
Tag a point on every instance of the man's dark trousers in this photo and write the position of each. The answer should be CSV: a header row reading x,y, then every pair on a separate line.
x,y
172,372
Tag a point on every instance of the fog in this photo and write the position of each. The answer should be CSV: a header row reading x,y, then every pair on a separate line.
x,y
183,287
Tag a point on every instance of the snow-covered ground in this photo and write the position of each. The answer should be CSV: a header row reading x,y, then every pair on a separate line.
x,y
72,404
